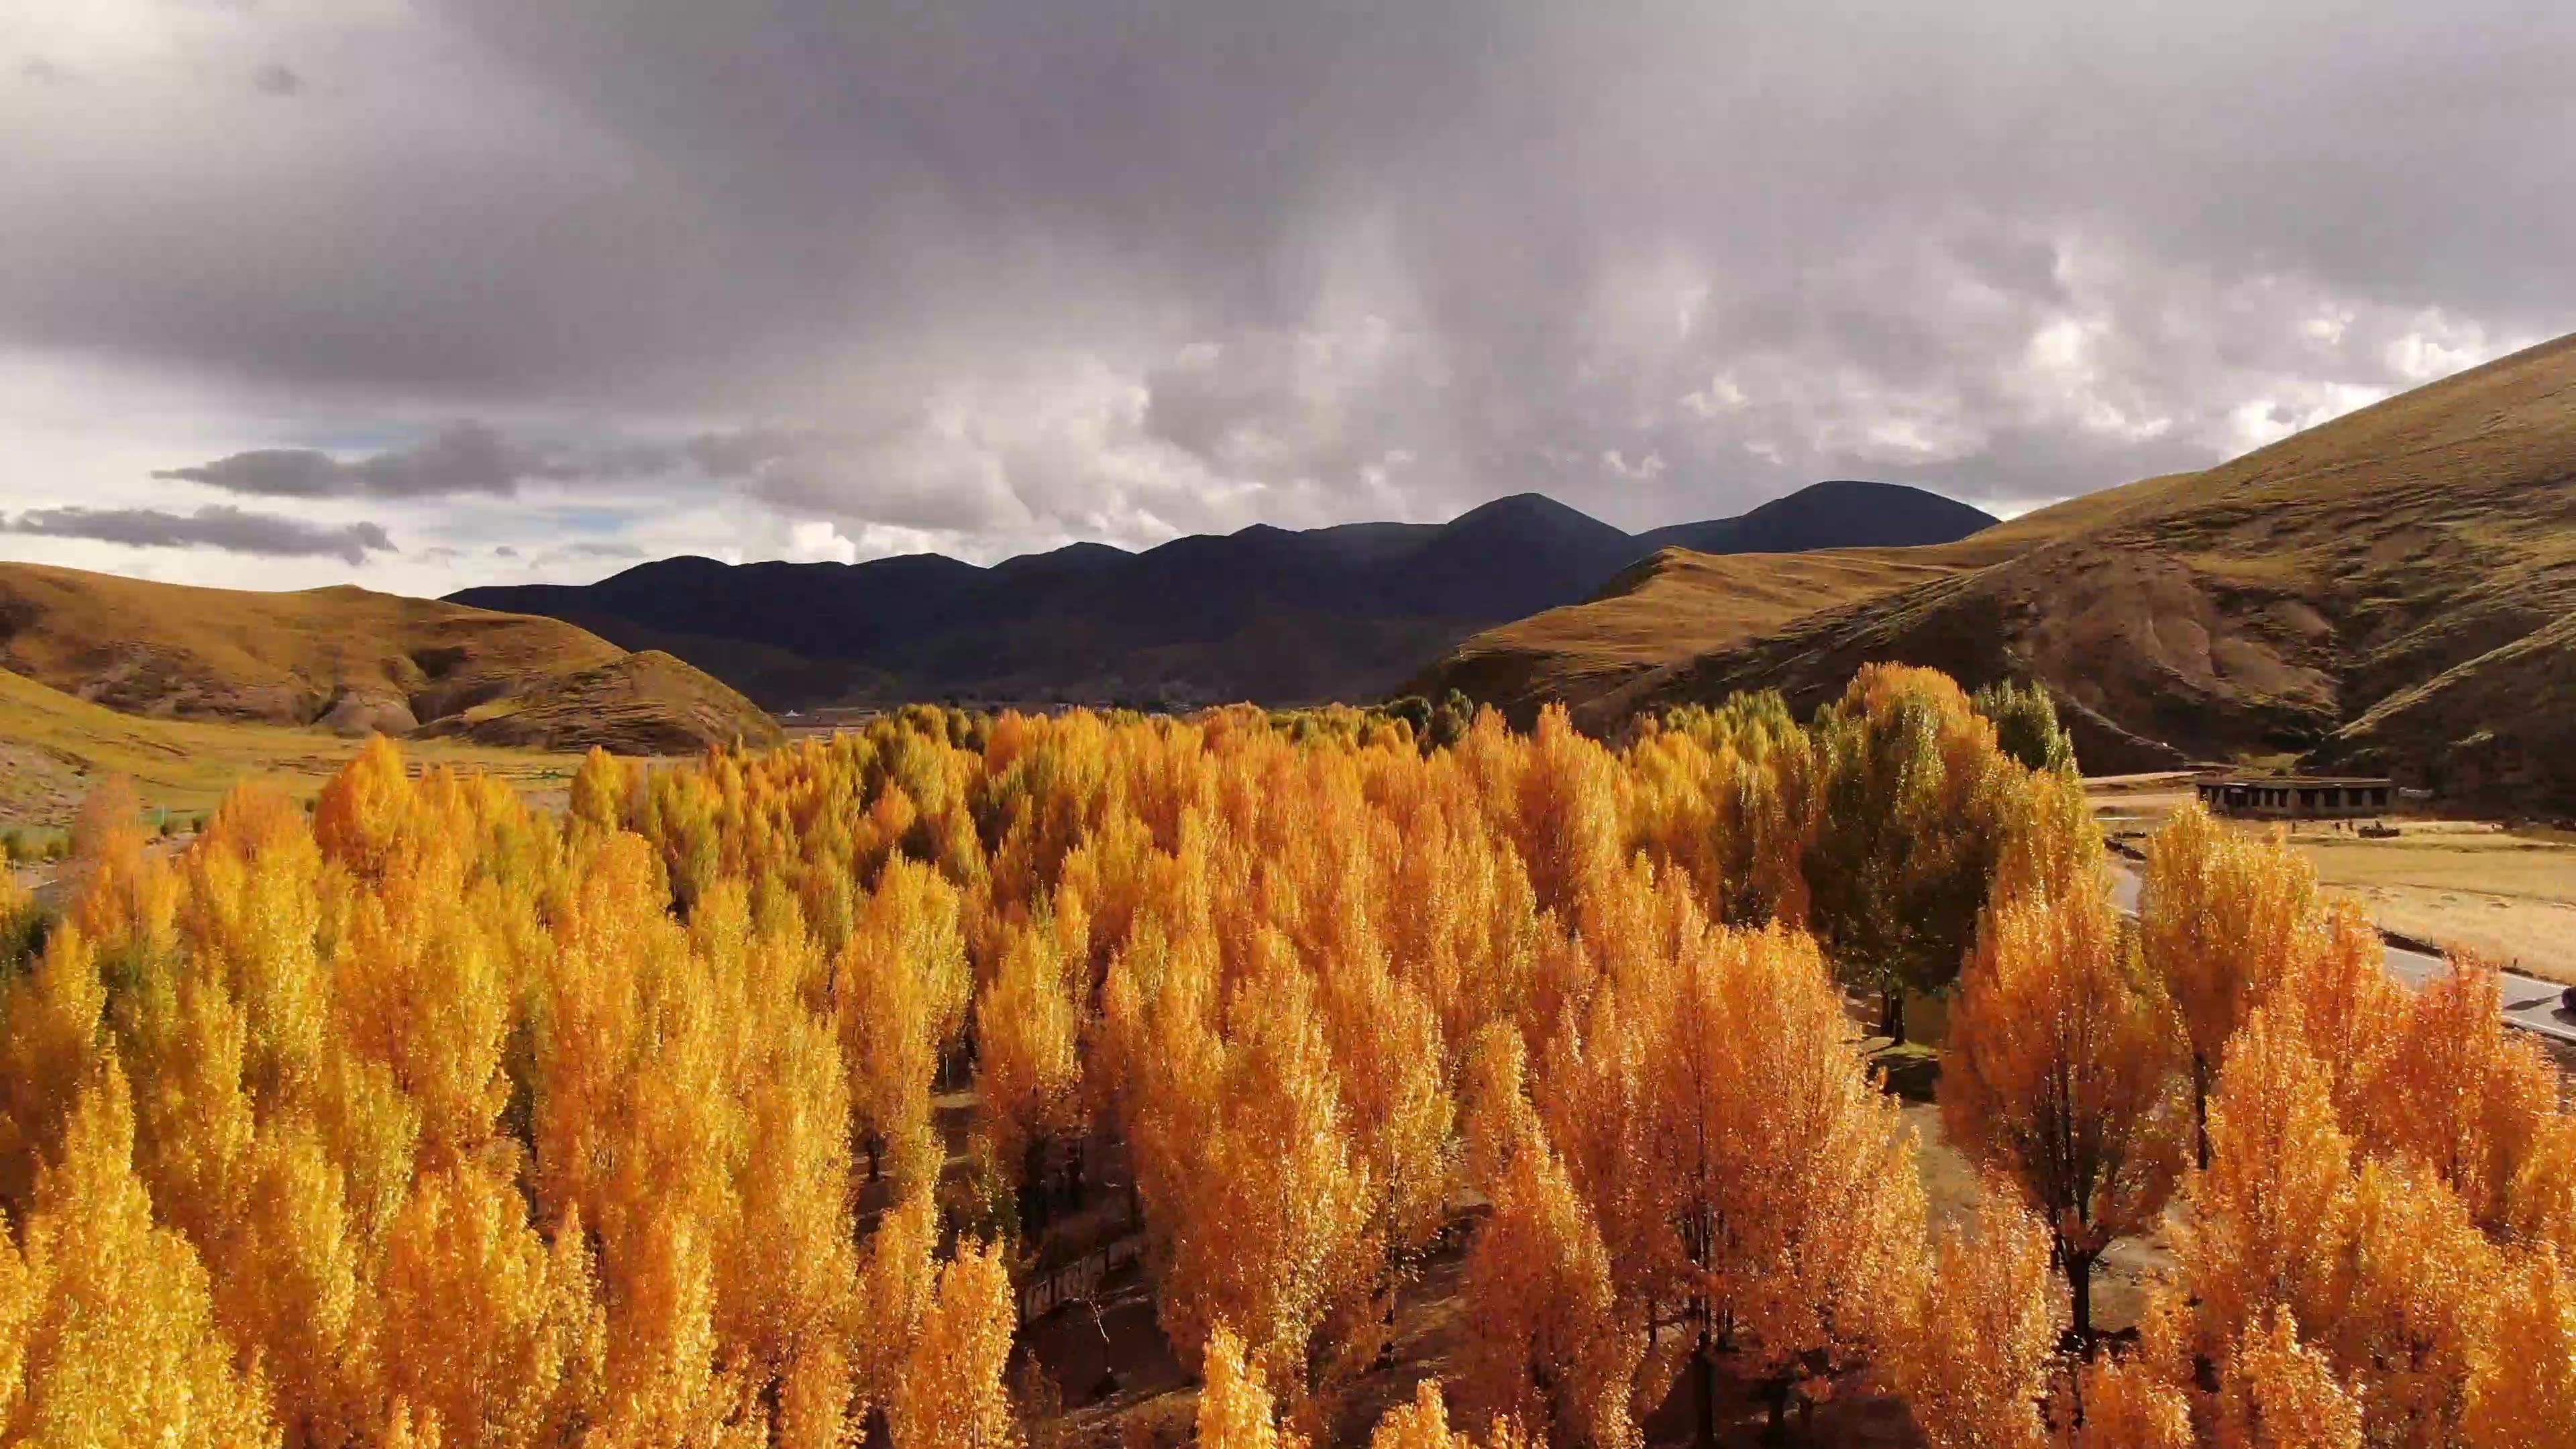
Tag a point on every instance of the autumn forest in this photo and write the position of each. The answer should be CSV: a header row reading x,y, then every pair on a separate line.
x,y
422,1116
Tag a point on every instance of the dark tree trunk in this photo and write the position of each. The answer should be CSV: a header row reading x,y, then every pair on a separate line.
x,y
1891,1016
1704,1392
2200,1107
2079,1277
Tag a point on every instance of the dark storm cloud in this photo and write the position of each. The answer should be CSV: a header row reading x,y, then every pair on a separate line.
x,y
216,526
464,458
479,458
275,79
1019,269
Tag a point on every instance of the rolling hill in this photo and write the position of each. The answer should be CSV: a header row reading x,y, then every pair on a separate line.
x,y
349,661
1680,604
1264,614
2390,590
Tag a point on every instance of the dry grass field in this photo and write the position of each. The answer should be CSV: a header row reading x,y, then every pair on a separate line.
x,y
54,747
2509,895
282,658
2505,893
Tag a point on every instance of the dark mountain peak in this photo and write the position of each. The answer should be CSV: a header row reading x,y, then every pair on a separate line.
x,y
677,566
1837,513
1073,556
1264,612
1528,510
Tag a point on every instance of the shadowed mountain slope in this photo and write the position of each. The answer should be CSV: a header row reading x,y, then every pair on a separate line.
x,y
1264,614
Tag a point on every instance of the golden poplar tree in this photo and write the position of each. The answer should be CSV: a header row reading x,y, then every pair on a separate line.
x,y
1263,1222
49,1044
901,985
2416,1308
1390,1061
1234,1404
107,1321
2125,1405
1028,1028
1569,813
897,1283
2523,1395
2279,1393
1974,1366
1797,1213
2062,1061
1546,1346
2220,917
2460,1092
2272,1214
951,1395
500,1334
1424,1424
1495,1113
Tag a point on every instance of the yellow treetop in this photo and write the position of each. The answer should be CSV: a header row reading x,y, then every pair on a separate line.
x,y
2279,1393
1975,1366
2061,1074
952,1395
1545,1343
1234,1404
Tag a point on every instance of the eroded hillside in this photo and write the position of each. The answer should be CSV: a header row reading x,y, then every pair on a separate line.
x,y
2387,590
348,660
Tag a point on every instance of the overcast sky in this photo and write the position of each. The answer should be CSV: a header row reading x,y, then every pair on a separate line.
x,y
460,291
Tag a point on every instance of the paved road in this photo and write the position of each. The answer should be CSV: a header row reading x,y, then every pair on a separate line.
x,y
2527,1003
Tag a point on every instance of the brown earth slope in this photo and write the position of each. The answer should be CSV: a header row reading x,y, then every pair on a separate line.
x,y
640,704
2365,591
341,658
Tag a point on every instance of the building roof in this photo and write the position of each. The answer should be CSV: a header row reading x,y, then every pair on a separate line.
x,y
2276,782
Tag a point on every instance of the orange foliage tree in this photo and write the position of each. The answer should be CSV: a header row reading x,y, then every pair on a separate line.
x,y
2221,916
431,1118
2060,1073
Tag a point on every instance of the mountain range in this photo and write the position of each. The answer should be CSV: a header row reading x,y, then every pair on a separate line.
x,y
1266,614
2393,591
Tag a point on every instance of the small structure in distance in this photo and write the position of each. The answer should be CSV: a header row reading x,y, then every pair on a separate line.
x,y
2299,797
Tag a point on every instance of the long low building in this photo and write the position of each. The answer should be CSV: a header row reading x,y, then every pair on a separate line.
x,y
2292,797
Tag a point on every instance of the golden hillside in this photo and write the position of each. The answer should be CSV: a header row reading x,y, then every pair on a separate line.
x,y
1672,606
1679,605
649,703
2291,602
345,659
54,749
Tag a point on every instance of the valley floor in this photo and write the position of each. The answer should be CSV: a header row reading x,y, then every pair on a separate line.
x,y
2508,894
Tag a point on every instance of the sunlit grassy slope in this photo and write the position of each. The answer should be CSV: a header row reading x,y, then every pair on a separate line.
x,y
1678,605
2388,591
53,748
351,661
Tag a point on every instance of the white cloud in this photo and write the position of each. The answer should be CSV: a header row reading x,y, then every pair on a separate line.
x,y
817,541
